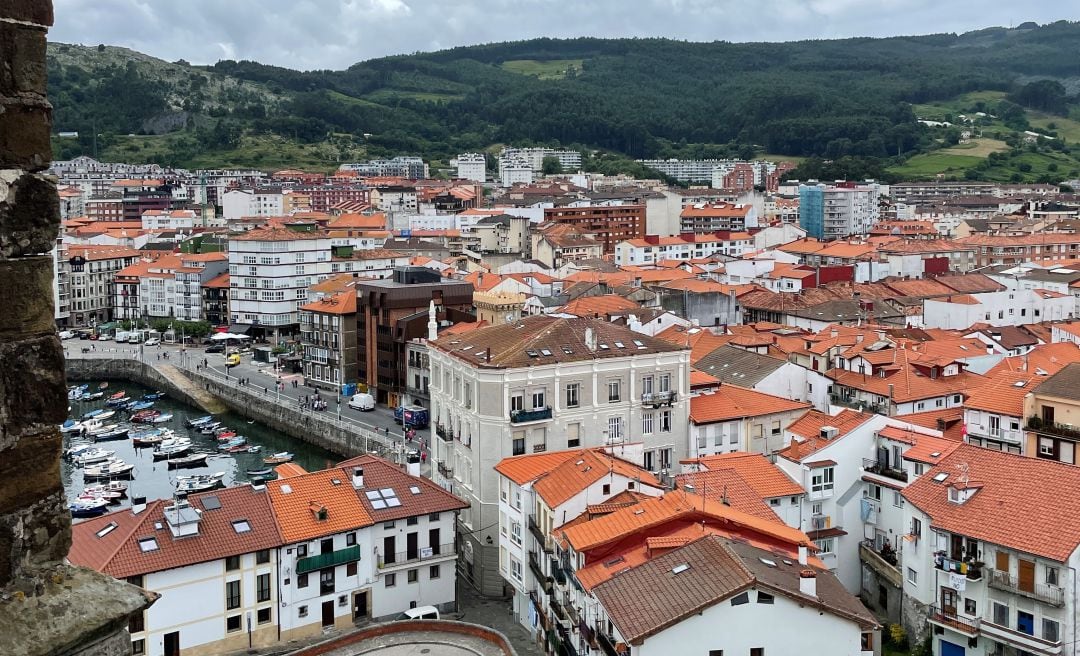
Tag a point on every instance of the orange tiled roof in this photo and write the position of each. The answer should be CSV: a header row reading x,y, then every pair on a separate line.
x,y
764,477
340,303
1044,359
218,282
358,222
950,421
701,341
298,501
598,306
809,427
1023,503
574,475
529,467
733,402
699,378
1003,393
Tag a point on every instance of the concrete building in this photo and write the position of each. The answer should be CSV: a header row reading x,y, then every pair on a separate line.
x,y
472,166
328,333
731,419
172,220
609,224
569,160
238,203
830,212
711,218
270,270
412,168
547,383
195,271
90,281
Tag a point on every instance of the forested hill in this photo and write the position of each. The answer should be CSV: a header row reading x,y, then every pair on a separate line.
x,y
637,97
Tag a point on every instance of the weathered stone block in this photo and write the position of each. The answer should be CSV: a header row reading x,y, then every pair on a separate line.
x,y
30,469
39,12
27,308
32,389
22,59
25,122
34,536
29,213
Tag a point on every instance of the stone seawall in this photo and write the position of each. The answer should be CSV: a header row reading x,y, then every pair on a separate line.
x,y
215,395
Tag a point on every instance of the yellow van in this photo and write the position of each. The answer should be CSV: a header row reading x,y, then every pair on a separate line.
x,y
232,359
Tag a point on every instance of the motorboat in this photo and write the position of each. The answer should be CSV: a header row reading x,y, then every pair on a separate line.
x,y
193,460
279,458
91,396
198,482
234,442
225,436
116,487
208,429
116,403
79,449
163,452
71,426
145,416
101,428
92,456
260,472
91,414
254,448
199,421
115,468
77,391
140,405
118,395
115,434
239,448
147,437
103,415
89,507
162,418
153,396
111,497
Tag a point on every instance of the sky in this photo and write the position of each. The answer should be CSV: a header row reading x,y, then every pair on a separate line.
x,y
333,34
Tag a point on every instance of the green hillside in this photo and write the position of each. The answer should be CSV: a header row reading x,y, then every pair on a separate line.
x,y
854,100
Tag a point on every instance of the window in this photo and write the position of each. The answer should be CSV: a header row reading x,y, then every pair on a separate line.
x,y
262,556
538,400
232,595
390,580
665,421
573,395
433,572
826,546
262,587
665,383
350,539
613,391
970,607
897,499
414,575
515,568
137,623
232,623
764,598
302,611
647,423
757,651
614,425
606,489
867,641
302,580
821,481
916,527
517,403
716,652
573,436
1050,630
350,569
912,576
301,550
262,616
138,647
1001,614
740,599
918,468
1052,575
412,521
519,446
873,491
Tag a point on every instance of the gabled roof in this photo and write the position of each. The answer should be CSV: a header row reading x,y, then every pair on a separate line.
x,y
1003,393
1043,360
299,501
598,306
1023,503
739,366
700,340
340,303
417,495
117,552
1065,384
809,428
574,475
729,402
763,476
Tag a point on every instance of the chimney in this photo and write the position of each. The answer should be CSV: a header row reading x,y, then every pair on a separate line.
x,y
432,324
803,551
590,339
138,504
358,478
808,582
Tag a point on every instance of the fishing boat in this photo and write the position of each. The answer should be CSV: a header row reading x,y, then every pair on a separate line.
x,y
193,460
115,434
162,418
111,497
236,441
91,396
207,429
78,449
239,448
260,472
89,507
168,451
101,428
278,458
118,395
77,391
145,416
104,414
116,487
225,436
140,405
113,469
206,419
153,396
71,426
92,456
116,403
198,482
263,478
146,436
91,414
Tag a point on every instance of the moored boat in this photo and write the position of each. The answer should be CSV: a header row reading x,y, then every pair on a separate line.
x,y
113,469
115,434
199,482
153,396
89,507
193,460
172,450
118,487
278,458
162,418
199,421
207,429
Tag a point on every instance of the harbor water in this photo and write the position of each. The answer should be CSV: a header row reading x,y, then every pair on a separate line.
x,y
153,479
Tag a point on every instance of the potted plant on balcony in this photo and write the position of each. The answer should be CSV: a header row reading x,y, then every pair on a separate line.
x,y
975,569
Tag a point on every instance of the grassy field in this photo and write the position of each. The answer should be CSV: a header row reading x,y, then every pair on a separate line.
x,y
390,95
931,164
260,152
979,147
781,158
550,69
1067,128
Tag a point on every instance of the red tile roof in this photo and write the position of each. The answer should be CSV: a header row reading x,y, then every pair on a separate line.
x,y
733,402
764,477
1023,503
418,495
298,500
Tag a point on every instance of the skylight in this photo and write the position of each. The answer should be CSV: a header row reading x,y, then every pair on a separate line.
x,y
241,526
619,345
766,561
414,490
285,489
679,569
148,544
105,530
211,502
940,478
545,352
383,499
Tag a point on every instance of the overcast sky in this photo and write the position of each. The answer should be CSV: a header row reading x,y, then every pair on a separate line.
x,y
310,34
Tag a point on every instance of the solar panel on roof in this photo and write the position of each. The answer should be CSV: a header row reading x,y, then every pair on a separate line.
x,y
211,503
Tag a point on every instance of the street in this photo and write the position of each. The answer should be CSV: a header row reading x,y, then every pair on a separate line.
x,y
258,375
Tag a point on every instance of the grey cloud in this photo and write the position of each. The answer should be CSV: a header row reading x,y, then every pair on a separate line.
x,y
314,34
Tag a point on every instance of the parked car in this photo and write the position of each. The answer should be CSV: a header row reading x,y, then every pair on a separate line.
x,y
153,341
215,348
232,359
66,334
420,613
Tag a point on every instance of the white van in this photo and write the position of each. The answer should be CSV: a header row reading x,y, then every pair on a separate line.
x,y
362,402
420,613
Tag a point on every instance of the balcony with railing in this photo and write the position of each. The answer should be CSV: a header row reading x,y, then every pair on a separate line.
x,y
972,569
534,566
607,644
418,555
657,399
445,470
950,619
528,416
538,533
856,404
1040,425
874,466
886,561
330,559
1014,642
445,433
1044,592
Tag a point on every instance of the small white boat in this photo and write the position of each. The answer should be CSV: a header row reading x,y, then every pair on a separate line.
x,y
113,487
200,421
71,426
109,469
92,456
89,507
173,450
162,418
199,482
101,428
